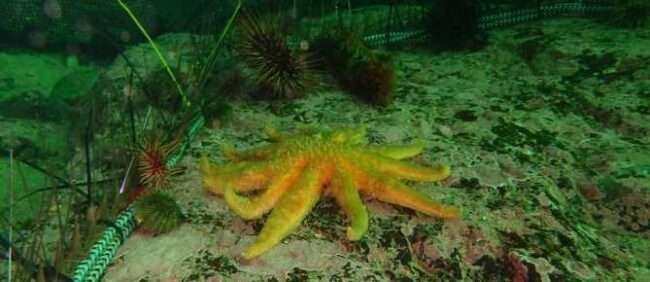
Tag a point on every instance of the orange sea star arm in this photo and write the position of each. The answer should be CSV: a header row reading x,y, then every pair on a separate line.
x,y
392,191
348,198
255,207
242,176
289,212
397,152
399,169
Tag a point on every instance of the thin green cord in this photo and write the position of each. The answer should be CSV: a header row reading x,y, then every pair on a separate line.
x,y
209,64
11,214
155,48
197,124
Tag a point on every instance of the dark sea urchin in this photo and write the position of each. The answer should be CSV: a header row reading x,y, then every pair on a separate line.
x,y
158,213
276,68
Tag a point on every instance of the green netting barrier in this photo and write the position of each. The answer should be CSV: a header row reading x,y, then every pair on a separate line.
x,y
497,20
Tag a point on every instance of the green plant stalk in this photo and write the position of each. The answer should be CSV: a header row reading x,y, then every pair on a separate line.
x,y
11,213
186,101
203,78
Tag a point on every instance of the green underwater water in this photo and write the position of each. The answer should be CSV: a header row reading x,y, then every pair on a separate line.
x,y
541,111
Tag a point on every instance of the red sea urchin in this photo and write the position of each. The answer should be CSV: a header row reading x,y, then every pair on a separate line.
x,y
153,154
276,68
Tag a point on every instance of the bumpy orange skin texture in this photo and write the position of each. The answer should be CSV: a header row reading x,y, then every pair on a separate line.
x,y
294,171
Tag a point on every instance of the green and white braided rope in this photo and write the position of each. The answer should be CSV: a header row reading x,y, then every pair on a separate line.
x,y
101,254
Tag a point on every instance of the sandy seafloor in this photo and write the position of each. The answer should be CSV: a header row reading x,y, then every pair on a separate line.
x,y
546,132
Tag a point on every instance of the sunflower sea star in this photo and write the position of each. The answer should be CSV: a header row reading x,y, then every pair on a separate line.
x,y
295,170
